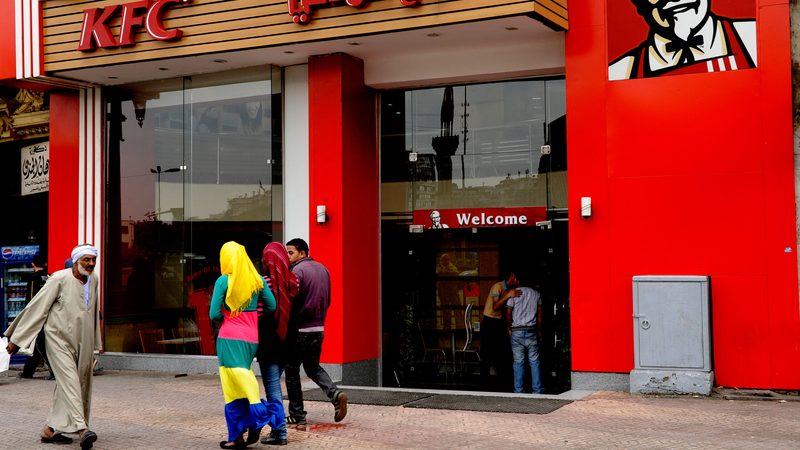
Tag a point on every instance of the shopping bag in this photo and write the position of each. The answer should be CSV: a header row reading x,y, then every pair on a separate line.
x,y
5,358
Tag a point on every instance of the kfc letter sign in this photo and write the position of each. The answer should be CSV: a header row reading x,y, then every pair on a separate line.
x,y
96,33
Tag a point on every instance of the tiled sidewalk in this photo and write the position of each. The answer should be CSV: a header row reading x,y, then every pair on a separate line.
x,y
133,410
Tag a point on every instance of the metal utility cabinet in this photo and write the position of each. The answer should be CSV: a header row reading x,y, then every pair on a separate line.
x,y
672,335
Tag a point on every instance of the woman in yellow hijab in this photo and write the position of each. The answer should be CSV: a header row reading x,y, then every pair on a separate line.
x,y
235,300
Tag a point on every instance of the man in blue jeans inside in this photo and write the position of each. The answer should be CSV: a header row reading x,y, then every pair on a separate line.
x,y
525,311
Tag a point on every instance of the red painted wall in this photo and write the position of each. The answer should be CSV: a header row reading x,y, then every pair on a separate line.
x,y
343,176
689,175
63,197
8,58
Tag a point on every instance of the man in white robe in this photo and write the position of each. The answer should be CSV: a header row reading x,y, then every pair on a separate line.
x,y
68,309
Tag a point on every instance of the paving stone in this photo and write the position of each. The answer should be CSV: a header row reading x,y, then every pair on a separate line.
x,y
147,410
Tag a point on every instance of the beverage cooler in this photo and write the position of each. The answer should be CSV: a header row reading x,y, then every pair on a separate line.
x,y
15,271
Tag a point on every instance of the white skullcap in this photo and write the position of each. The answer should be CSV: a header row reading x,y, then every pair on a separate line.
x,y
83,250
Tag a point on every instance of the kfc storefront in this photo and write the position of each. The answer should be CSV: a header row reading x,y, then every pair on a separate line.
x,y
420,146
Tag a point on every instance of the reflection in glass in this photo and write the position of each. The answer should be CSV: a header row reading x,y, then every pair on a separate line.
x,y
475,145
198,173
467,146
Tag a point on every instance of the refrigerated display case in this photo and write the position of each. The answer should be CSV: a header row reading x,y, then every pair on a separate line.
x,y
15,272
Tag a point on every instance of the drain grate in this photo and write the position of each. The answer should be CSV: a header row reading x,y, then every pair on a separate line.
x,y
756,394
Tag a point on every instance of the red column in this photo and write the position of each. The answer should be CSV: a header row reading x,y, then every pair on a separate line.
x,y
63,197
8,60
343,176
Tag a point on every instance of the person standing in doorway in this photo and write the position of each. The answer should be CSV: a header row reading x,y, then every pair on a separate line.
x,y
306,331
68,309
526,318
495,350
272,328
37,280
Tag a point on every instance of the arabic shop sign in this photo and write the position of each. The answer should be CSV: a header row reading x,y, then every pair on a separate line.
x,y
301,10
147,14
35,168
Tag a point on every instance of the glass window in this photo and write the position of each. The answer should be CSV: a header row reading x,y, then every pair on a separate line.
x,y
191,165
473,146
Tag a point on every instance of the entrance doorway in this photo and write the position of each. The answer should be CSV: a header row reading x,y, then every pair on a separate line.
x,y
473,187
435,277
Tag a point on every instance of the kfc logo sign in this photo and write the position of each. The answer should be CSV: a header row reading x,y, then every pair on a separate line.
x,y
96,31
300,10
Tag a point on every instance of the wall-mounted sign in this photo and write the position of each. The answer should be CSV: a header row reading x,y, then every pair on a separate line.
x,y
96,28
19,252
651,38
35,168
479,217
301,10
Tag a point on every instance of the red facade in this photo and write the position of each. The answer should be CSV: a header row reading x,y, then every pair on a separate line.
x,y
689,175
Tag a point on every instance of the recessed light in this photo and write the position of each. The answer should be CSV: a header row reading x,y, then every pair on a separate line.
x,y
354,43
112,78
288,52
433,35
162,68
220,61
512,28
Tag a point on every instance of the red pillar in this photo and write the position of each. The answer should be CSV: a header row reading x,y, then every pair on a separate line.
x,y
8,60
63,196
343,176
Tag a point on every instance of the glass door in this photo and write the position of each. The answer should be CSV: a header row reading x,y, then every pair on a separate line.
x,y
473,187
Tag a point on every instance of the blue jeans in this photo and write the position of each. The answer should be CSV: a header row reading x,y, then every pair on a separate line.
x,y
271,375
525,343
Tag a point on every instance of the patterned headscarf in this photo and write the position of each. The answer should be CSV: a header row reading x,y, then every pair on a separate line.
x,y
243,279
284,283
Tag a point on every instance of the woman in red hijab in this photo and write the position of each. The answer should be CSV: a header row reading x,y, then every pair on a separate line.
x,y
273,328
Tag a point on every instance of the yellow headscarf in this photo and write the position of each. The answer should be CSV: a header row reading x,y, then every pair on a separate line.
x,y
243,279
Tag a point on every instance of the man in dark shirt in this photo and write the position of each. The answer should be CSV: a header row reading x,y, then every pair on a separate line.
x,y
36,281
306,331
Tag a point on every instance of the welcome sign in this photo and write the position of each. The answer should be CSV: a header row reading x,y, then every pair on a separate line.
x,y
35,168
479,217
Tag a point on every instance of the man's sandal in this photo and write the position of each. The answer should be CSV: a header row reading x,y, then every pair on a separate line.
x,y
88,439
57,438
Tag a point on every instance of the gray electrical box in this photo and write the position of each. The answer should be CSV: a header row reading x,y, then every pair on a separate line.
x,y
672,335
